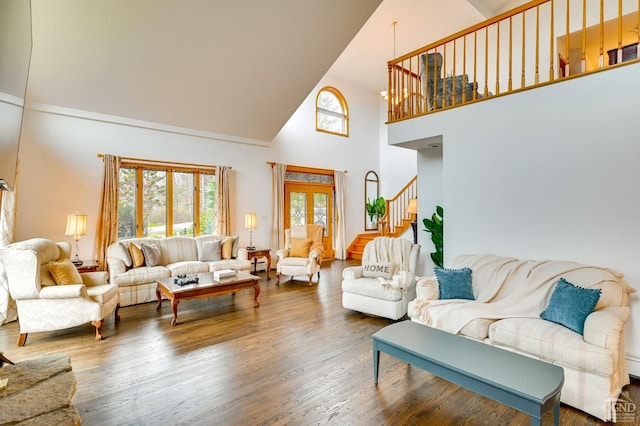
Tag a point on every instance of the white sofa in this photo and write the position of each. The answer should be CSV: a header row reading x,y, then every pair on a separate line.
x,y
510,294
44,306
374,294
179,255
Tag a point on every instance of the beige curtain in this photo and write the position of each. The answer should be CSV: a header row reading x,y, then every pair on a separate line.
x,y
8,211
8,311
339,178
223,225
278,172
107,228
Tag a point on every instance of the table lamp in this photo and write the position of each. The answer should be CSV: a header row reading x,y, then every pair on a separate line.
x,y
412,209
76,227
250,222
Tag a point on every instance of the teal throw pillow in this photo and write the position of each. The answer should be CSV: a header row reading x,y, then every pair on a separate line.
x,y
570,305
454,283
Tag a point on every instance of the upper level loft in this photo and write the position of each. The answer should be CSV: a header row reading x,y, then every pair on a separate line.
x,y
541,42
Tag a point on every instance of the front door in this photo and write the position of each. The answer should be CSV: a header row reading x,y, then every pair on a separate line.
x,y
306,203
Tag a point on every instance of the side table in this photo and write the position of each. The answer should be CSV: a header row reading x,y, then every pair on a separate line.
x,y
258,253
87,266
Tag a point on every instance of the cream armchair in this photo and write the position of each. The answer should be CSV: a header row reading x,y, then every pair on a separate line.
x,y
302,253
44,306
385,283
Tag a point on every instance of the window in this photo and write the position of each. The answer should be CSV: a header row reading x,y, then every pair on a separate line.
x,y
332,112
163,200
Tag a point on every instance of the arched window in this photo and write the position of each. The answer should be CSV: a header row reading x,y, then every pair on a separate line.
x,y
332,115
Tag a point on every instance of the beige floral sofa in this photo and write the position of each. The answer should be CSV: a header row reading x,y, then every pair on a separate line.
x,y
512,297
136,264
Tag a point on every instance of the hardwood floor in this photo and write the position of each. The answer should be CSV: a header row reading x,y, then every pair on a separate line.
x,y
299,359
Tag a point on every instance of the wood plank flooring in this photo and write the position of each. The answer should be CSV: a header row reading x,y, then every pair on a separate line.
x,y
298,359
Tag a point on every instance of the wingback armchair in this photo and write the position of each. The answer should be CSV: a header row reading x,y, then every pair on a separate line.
x,y
302,253
42,304
385,282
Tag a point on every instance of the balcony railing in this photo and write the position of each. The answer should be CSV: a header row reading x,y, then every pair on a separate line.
x,y
538,43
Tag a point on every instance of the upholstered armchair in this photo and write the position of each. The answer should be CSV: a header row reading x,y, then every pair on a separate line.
x,y
49,292
385,282
302,253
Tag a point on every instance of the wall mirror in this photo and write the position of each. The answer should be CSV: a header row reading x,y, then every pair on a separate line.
x,y
371,193
15,56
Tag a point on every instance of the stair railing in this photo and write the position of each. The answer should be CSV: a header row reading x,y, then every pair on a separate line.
x,y
395,220
538,43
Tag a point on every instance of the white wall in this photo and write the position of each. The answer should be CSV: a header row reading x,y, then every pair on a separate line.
x,y
298,143
546,173
60,172
397,165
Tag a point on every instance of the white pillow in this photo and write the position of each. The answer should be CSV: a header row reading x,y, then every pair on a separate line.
x,y
211,251
377,270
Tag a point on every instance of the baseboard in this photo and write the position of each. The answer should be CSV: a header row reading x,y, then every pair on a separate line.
x,y
633,364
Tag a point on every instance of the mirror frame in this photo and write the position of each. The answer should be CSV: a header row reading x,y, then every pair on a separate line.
x,y
371,191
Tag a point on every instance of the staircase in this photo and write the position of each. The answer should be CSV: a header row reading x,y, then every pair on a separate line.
x,y
394,222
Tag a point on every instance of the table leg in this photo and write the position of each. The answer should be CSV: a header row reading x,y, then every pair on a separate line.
x,y
376,362
268,256
256,293
556,414
174,308
159,296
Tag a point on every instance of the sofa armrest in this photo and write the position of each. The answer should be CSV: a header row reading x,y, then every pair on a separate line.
x,y
352,272
604,327
95,278
66,291
314,256
116,266
427,288
282,253
242,254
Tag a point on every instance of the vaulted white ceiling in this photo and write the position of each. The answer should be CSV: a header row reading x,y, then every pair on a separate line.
x,y
236,68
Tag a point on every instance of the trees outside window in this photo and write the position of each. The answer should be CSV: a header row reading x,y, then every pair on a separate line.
x,y
157,202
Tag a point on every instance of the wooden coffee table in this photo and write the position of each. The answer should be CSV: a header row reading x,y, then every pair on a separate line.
x,y
206,287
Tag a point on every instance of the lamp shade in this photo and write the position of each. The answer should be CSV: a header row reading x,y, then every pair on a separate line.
x,y
76,224
250,220
412,208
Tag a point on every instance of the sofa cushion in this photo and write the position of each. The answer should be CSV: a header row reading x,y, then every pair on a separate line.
x,y
477,328
551,342
64,272
188,267
234,247
226,247
237,264
143,274
121,250
570,305
137,256
178,249
299,247
211,251
371,287
377,269
152,255
454,283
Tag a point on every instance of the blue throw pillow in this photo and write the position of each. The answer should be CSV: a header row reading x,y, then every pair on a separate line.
x,y
454,283
570,305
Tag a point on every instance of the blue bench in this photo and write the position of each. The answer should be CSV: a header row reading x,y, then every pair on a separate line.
x,y
523,383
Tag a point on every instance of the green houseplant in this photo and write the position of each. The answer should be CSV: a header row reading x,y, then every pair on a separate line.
x,y
435,227
376,208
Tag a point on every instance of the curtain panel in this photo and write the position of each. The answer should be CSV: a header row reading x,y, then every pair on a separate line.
x,y
107,227
223,225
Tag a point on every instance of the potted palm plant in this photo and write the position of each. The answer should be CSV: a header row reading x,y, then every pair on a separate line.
x,y
435,227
